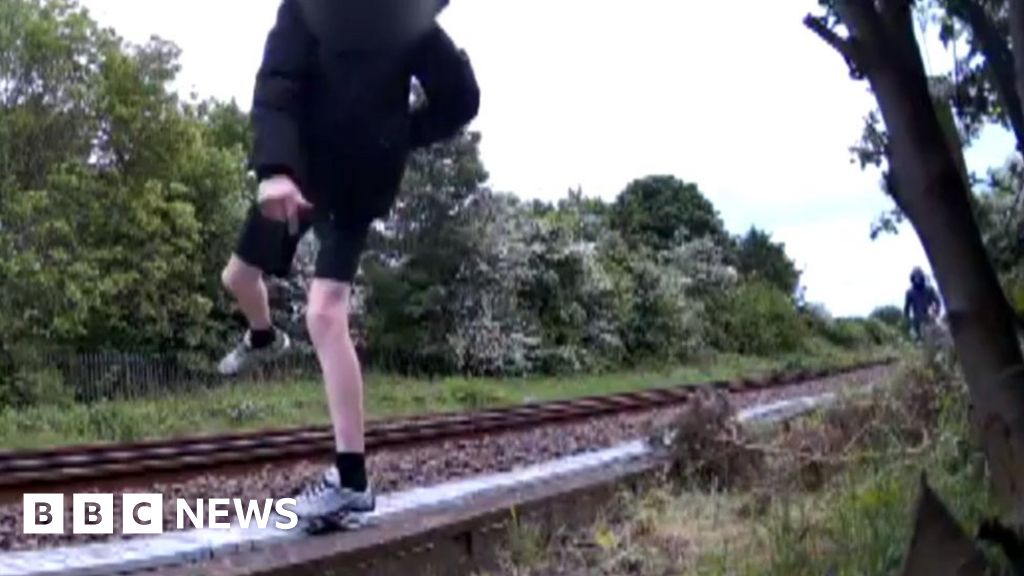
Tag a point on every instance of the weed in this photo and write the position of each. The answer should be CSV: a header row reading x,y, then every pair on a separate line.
x,y
475,395
526,547
708,449
246,411
852,519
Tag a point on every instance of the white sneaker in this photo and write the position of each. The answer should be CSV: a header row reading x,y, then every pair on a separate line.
x,y
244,356
326,497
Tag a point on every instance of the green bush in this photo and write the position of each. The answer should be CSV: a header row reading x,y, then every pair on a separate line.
x,y
33,387
663,325
27,380
847,333
852,333
881,333
888,315
757,318
815,318
559,361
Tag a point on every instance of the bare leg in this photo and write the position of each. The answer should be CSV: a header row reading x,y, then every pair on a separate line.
x,y
245,283
327,319
261,343
344,487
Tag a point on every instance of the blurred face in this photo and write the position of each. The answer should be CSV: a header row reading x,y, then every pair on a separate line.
x,y
370,24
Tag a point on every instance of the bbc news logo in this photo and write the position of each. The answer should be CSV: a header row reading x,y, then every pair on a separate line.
x,y
94,514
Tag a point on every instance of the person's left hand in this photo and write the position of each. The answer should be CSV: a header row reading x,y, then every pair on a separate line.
x,y
280,199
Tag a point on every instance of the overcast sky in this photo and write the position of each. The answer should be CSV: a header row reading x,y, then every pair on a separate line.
x,y
734,95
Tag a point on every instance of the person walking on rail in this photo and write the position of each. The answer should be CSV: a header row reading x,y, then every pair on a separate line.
x,y
922,304
333,128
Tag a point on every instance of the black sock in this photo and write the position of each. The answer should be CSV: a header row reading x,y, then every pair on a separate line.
x,y
262,338
352,470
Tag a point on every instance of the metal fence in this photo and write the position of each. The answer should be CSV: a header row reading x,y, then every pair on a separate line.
x,y
46,375
99,376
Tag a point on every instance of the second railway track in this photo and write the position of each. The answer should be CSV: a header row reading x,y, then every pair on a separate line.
x,y
23,471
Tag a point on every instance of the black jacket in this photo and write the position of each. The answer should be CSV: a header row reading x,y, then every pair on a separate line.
x,y
919,302
337,118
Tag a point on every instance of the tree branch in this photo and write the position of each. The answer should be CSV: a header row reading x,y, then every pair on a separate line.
x,y
867,32
998,60
1017,43
845,47
862,20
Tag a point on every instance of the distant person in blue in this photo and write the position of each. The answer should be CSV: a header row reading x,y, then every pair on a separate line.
x,y
922,304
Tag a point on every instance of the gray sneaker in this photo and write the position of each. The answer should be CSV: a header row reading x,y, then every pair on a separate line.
x,y
244,356
326,497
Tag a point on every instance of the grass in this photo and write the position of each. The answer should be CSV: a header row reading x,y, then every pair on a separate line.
x,y
856,523
247,406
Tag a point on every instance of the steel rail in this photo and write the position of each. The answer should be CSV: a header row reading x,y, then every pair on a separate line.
x,y
25,471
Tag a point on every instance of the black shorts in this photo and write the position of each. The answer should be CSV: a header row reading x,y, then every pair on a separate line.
x,y
266,244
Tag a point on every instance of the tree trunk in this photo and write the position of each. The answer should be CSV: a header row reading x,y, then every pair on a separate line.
x,y
939,546
935,198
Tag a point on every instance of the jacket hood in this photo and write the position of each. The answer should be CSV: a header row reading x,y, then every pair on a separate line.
x,y
917,278
360,25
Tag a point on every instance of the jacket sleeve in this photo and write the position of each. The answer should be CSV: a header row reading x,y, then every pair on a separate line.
x,y
277,99
935,300
450,86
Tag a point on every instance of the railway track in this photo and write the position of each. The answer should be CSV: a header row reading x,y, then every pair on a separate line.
x,y
24,471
